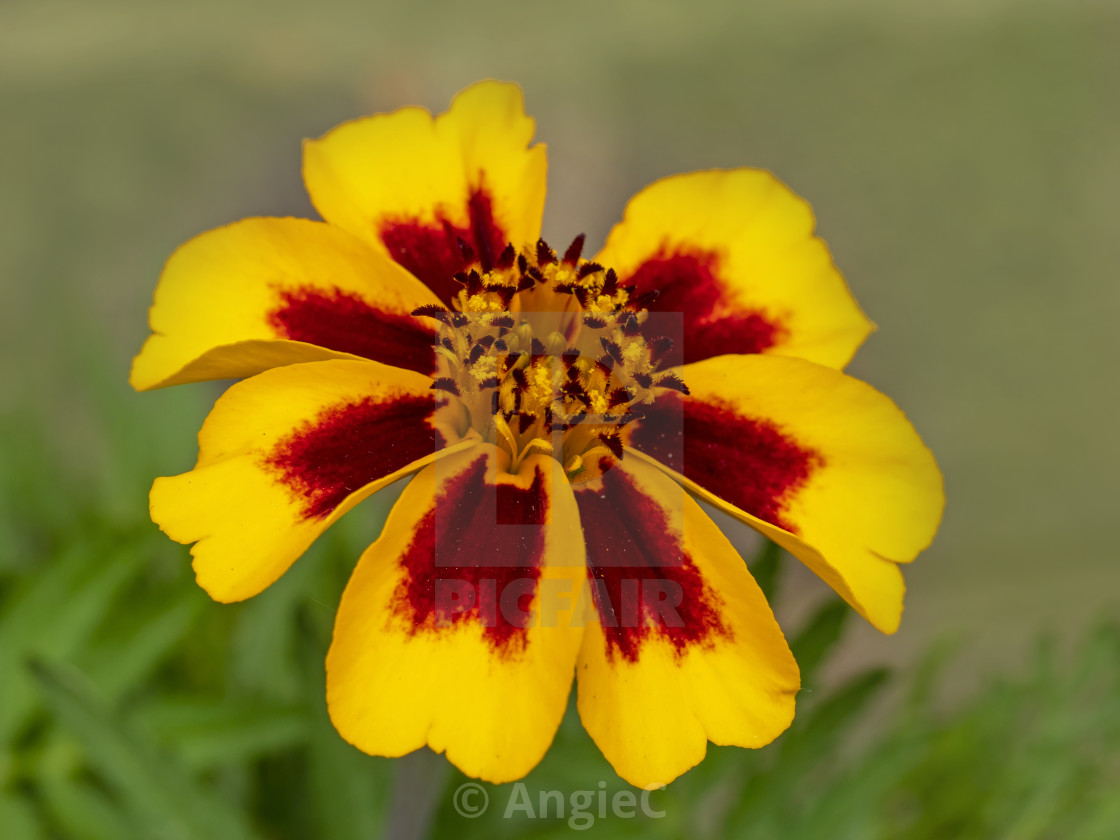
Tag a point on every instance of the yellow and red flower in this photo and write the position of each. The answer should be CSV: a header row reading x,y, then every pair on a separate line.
x,y
559,416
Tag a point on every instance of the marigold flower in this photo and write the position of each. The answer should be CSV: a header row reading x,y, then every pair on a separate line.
x,y
560,415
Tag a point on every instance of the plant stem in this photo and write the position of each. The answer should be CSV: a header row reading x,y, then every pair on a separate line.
x,y
418,784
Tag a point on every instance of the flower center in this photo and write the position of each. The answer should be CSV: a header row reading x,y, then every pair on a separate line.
x,y
550,354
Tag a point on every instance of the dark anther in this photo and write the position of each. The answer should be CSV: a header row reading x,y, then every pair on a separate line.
x,y
595,322
520,378
612,348
610,283
446,342
607,361
524,421
507,258
604,368
630,324
575,391
500,346
545,255
619,396
644,379
445,383
659,347
522,263
486,341
673,383
503,321
645,300
475,354
587,269
474,283
613,442
572,255
432,310
459,320
489,382
527,282
494,403
536,347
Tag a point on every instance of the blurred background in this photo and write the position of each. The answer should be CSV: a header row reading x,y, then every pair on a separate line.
x,y
963,159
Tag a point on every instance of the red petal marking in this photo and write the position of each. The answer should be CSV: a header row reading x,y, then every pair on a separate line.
x,y
688,282
485,544
344,322
431,251
346,447
744,461
642,581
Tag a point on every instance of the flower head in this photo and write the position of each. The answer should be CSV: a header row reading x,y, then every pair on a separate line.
x,y
559,415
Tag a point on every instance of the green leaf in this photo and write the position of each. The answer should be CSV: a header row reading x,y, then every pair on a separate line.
x,y
18,820
813,644
263,657
81,811
766,569
162,798
840,709
348,789
140,640
205,734
53,616
774,800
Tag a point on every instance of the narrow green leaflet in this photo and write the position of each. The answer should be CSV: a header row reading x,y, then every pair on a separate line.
x,y
163,799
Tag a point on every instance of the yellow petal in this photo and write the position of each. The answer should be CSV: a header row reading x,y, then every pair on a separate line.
x,y
734,252
685,649
284,454
456,628
818,461
263,292
414,185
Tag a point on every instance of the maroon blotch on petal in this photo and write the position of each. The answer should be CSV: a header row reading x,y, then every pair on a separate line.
x,y
344,322
484,540
642,581
688,282
348,446
431,250
745,461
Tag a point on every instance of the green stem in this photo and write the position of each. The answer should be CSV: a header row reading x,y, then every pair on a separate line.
x,y
418,783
